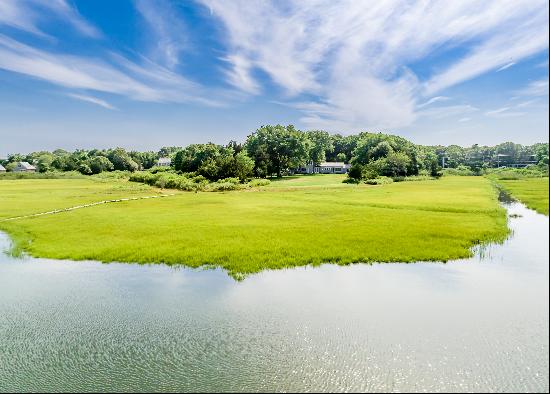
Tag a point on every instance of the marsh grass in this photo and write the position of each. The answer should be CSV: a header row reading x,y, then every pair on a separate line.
x,y
533,192
292,222
27,196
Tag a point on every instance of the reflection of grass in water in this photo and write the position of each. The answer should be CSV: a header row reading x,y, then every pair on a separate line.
x,y
533,192
299,221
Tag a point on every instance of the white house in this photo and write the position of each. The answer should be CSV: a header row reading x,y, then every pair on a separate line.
x,y
23,166
2,169
164,162
326,167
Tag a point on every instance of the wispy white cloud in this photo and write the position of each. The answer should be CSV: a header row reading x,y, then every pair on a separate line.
x,y
93,100
504,112
145,81
535,88
166,31
528,38
466,119
432,101
448,111
353,55
28,15
524,104
506,66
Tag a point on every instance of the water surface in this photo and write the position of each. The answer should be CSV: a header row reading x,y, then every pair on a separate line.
x,y
473,325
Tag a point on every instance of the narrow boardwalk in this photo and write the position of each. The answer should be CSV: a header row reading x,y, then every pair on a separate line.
x,y
85,206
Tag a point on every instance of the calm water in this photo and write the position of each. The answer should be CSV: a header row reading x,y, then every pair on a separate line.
x,y
473,325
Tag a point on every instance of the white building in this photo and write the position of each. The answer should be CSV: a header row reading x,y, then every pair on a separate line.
x,y
164,162
326,167
2,169
23,166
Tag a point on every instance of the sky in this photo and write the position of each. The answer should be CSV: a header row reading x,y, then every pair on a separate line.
x,y
150,73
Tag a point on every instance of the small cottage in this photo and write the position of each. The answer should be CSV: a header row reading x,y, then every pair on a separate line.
x,y
164,162
326,167
24,166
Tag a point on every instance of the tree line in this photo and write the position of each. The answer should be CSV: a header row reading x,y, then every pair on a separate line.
x,y
276,150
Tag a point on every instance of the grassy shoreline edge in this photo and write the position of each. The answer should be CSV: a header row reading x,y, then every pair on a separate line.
x,y
31,238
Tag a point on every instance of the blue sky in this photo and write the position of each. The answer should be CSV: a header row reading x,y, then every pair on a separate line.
x,y
148,73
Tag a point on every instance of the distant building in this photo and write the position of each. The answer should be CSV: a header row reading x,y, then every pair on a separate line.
x,y
2,169
326,167
23,166
164,162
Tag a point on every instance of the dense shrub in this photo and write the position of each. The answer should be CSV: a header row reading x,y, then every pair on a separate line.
x,y
460,171
259,182
382,180
535,171
190,181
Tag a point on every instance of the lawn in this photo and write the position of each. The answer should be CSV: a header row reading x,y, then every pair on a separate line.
x,y
295,221
533,192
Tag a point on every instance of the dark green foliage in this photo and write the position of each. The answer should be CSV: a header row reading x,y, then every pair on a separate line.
x,y
100,164
214,161
321,145
356,172
277,149
121,160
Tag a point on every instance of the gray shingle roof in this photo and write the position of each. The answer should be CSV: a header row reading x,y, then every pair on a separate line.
x,y
27,165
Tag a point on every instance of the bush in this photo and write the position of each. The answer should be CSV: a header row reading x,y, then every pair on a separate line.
x,y
156,169
356,172
533,171
189,181
259,182
382,180
221,186
113,175
460,171
235,181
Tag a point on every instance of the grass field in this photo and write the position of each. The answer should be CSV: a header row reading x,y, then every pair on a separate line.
x,y
27,196
533,192
295,221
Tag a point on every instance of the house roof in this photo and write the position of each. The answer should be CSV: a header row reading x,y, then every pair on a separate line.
x,y
332,164
26,165
164,160
2,168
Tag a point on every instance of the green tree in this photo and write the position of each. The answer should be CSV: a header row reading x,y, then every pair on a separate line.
x,y
166,151
321,144
100,164
244,166
44,162
121,160
397,164
356,172
275,149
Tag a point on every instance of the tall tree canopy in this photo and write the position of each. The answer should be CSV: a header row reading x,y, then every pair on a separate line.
x,y
276,149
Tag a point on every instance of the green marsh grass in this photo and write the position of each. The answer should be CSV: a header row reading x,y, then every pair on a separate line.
x,y
292,222
27,196
533,192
